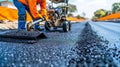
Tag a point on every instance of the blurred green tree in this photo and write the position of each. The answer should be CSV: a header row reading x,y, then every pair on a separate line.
x,y
100,13
78,16
116,7
71,8
70,15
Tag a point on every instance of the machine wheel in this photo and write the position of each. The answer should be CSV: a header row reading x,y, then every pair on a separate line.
x,y
66,26
69,25
29,27
47,26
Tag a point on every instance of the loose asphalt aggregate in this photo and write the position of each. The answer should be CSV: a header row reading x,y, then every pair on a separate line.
x,y
80,47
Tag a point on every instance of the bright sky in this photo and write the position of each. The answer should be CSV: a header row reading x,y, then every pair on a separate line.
x,y
90,6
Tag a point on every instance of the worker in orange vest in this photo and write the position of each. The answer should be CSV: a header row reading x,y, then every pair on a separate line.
x,y
31,7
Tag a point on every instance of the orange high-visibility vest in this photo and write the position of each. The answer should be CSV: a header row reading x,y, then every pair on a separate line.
x,y
32,4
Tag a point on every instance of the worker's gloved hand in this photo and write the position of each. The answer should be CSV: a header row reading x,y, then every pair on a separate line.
x,y
44,18
40,15
37,26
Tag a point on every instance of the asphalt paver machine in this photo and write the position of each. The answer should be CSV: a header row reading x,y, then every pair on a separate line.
x,y
58,16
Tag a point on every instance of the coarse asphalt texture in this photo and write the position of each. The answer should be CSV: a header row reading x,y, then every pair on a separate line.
x,y
84,46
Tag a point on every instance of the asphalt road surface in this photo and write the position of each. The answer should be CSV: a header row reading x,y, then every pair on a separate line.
x,y
86,45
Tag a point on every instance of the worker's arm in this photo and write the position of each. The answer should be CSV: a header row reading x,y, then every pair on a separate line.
x,y
23,2
43,7
33,8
